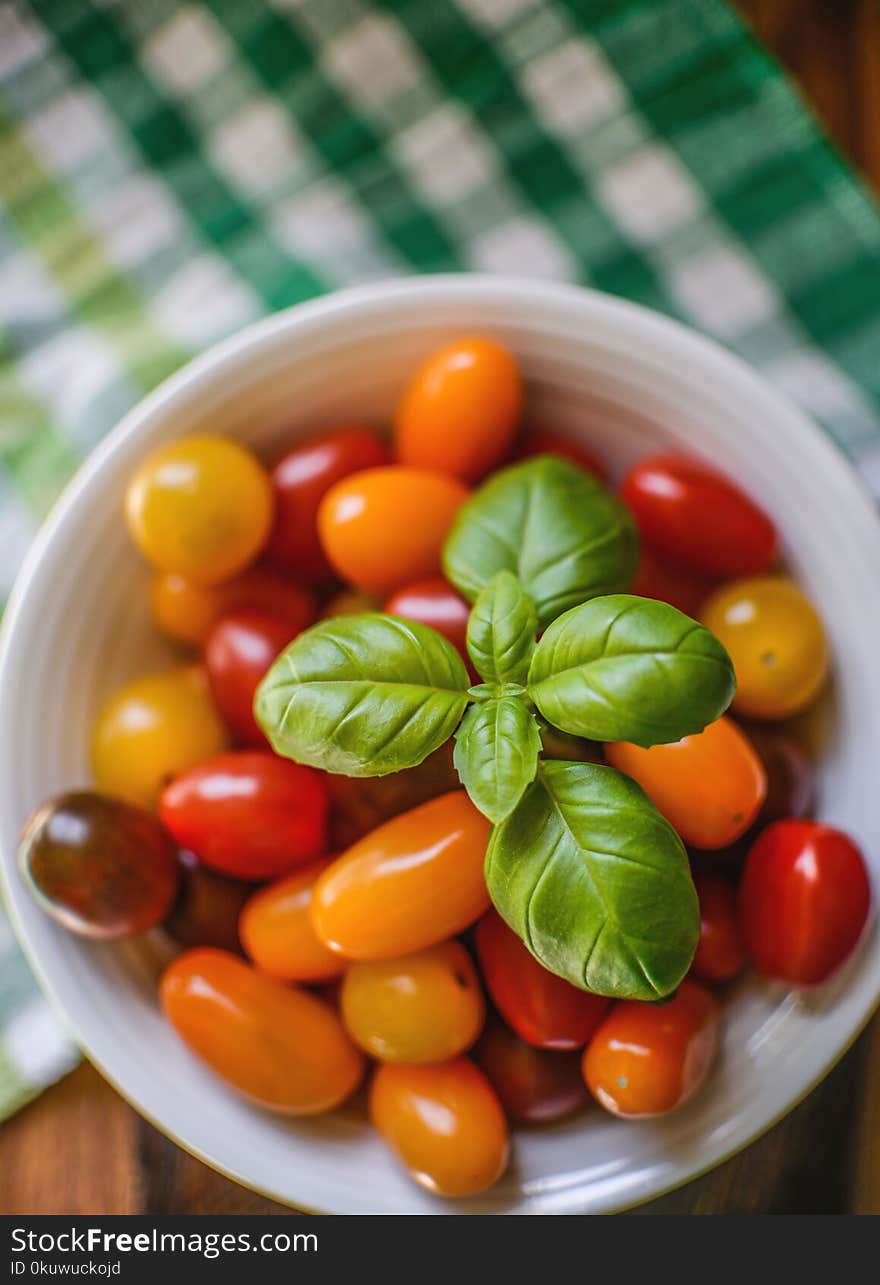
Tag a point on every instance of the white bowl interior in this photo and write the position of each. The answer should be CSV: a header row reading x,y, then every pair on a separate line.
x,y
627,383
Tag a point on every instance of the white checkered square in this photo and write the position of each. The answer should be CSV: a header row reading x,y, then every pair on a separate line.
x,y
68,371
493,14
136,220
572,87
372,60
445,155
203,302
22,39
321,221
187,50
523,247
259,147
27,292
722,292
37,1045
649,193
74,127
817,383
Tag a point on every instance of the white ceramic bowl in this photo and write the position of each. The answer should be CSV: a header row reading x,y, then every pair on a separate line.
x,y
624,380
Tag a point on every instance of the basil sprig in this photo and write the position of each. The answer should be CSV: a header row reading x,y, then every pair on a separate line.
x,y
580,862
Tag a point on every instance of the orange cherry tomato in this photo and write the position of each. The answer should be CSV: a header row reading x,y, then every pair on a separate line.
x,y
280,1046
277,934
709,786
385,527
647,1059
721,951
444,1122
187,612
459,413
545,441
776,642
201,506
415,881
658,578
152,730
423,1007
543,1009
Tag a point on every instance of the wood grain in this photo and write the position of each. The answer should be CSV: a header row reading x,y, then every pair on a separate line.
x,y
81,1149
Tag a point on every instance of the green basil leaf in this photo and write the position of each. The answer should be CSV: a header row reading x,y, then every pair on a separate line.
x,y
596,882
496,754
564,537
363,695
622,668
501,630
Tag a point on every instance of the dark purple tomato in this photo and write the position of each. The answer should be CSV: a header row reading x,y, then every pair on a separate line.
x,y
100,867
207,909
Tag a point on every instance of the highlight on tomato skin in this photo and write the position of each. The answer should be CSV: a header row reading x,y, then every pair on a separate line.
x,y
649,1059
805,899
543,1009
444,1122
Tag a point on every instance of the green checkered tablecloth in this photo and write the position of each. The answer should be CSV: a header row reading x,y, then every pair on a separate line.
x,y
170,171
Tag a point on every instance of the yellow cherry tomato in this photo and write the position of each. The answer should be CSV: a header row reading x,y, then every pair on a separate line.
x,y
775,640
445,1123
277,933
201,507
152,730
424,1007
412,882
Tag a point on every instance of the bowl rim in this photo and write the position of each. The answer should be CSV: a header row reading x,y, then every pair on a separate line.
x,y
584,305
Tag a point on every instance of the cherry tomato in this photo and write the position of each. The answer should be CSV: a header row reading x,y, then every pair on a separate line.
x,y
99,867
415,881
187,612
276,930
709,786
249,814
349,602
300,480
790,775
544,441
444,1122
201,506
688,512
658,578
207,909
721,951
360,804
423,1007
459,413
543,1009
434,603
280,1046
534,1085
804,898
239,651
152,730
647,1059
385,527
776,642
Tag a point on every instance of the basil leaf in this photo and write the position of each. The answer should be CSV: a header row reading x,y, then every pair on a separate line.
x,y
557,529
496,754
501,631
596,882
363,695
623,668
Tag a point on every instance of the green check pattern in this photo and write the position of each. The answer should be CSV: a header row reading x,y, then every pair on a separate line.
x,y
171,171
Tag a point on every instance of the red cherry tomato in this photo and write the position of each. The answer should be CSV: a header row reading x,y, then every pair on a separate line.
x,y
238,653
544,441
661,579
534,1085
804,899
721,951
543,1009
300,480
434,603
249,814
647,1059
688,512
790,776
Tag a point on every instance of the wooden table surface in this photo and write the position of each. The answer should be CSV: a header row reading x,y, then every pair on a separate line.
x,y
81,1149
